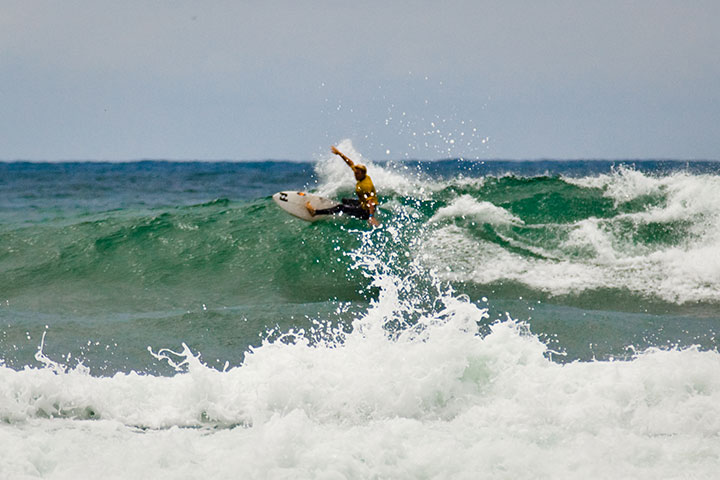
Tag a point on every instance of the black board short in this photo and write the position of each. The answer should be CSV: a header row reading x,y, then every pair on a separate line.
x,y
349,206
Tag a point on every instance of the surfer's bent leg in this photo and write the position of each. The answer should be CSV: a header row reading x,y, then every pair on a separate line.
x,y
330,211
355,211
350,206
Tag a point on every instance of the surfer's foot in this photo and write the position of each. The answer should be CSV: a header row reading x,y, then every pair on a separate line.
x,y
310,209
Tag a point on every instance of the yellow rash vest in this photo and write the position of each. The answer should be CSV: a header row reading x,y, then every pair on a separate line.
x,y
365,191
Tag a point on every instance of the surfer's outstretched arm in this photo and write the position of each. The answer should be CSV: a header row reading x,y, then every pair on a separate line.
x,y
343,156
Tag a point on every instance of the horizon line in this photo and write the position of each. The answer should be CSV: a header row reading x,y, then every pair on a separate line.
x,y
278,160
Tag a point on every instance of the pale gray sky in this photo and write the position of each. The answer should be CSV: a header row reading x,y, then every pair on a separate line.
x,y
245,80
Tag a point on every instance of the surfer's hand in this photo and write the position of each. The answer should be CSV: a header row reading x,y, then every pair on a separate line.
x,y
373,221
335,150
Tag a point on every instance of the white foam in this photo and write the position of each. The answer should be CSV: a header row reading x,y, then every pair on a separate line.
x,y
596,253
686,194
335,176
459,257
449,404
434,399
675,274
466,206
623,184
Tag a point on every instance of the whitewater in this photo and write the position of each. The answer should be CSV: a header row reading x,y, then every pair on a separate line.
x,y
507,321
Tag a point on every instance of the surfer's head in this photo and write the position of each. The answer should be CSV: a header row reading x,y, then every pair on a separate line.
x,y
360,171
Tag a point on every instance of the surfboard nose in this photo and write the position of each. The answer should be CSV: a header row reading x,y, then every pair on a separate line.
x,y
295,203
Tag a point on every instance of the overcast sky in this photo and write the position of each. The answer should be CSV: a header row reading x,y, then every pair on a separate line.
x,y
250,80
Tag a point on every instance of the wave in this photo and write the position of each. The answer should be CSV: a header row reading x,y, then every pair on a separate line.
x,y
219,252
652,236
484,212
446,395
346,381
406,375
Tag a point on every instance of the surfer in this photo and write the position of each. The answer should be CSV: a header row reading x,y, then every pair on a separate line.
x,y
364,206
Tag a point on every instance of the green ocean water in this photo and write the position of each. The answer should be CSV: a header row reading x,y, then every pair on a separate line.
x,y
507,320
599,258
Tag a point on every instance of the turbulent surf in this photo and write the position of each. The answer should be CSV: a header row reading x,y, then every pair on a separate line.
x,y
507,320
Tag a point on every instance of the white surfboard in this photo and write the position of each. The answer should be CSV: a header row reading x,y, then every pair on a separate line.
x,y
294,204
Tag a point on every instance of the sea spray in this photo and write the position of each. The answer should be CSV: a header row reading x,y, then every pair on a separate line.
x,y
416,350
448,402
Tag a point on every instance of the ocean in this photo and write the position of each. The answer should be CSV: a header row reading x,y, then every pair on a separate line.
x,y
515,320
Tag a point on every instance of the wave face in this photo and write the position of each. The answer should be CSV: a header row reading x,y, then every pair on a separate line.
x,y
508,320
644,236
